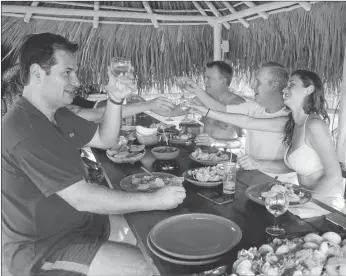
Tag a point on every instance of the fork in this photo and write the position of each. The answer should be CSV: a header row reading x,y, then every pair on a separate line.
x,y
271,184
147,171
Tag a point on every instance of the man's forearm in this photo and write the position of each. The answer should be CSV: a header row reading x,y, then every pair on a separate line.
x,y
135,108
108,201
210,102
273,166
109,127
176,111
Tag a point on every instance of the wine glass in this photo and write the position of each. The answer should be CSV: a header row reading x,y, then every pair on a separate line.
x,y
277,204
183,103
169,116
121,66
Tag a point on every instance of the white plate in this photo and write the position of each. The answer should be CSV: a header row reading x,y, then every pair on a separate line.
x,y
201,183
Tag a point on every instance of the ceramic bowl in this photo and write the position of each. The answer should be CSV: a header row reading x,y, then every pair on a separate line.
x,y
165,155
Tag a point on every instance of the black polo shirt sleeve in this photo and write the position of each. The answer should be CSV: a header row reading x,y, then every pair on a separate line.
x,y
51,169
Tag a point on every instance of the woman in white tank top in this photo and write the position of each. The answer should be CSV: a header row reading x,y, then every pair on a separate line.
x,y
310,149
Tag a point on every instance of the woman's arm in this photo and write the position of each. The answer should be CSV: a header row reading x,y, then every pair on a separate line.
x,y
320,139
272,125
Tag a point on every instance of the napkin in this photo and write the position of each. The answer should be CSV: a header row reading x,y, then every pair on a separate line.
x,y
308,210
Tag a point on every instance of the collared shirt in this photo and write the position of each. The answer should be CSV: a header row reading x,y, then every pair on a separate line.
x,y
39,159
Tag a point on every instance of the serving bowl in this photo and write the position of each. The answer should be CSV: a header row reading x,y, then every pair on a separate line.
x,y
165,152
148,140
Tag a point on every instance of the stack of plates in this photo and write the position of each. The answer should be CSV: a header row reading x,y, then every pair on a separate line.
x,y
193,239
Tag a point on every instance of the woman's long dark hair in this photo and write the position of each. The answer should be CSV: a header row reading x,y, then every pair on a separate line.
x,y
314,103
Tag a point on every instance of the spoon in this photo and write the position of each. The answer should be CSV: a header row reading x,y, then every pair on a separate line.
x,y
148,172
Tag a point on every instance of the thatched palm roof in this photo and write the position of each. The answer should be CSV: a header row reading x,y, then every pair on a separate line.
x,y
297,38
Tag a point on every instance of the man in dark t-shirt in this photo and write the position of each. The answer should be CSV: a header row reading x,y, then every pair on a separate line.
x,y
54,222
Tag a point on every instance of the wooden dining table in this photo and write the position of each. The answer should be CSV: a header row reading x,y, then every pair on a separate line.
x,y
251,217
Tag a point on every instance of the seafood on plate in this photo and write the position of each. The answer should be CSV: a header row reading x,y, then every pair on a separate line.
x,y
149,182
310,255
125,151
198,154
207,174
288,189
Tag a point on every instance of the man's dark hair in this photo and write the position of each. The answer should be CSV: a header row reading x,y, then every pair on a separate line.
x,y
279,73
224,68
40,49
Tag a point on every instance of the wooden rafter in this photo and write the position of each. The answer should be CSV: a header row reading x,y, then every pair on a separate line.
x,y
200,9
102,13
217,14
264,15
305,5
96,18
257,9
28,15
233,10
149,10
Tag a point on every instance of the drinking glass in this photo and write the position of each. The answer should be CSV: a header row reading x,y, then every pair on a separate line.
x,y
229,178
277,204
183,103
121,66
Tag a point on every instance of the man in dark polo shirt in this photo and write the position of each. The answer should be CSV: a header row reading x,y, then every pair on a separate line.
x,y
54,222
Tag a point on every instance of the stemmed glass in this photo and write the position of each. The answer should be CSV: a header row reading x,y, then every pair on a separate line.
x,y
184,104
277,204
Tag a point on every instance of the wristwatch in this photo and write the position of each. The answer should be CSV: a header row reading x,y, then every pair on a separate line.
x,y
115,102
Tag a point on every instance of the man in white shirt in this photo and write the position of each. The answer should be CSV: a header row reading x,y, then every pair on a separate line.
x,y
263,150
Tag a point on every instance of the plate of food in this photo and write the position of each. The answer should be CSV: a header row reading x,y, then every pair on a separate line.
x,y
212,157
143,182
205,176
295,194
312,254
125,153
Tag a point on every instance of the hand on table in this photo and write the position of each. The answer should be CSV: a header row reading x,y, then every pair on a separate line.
x,y
169,197
248,163
204,140
161,103
121,87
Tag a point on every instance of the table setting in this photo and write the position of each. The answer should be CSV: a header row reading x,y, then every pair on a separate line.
x,y
215,197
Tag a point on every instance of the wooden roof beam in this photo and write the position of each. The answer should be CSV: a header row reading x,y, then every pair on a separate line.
x,y
257,9
27,17
217,14
149,10
264,15
101,13
201,10
305,5
233,10
96,18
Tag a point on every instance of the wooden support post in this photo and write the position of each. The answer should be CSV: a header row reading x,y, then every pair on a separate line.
x,y
233,10
149,10
217,14
217,41
341,141
305,5
27,17
96,18
264,15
